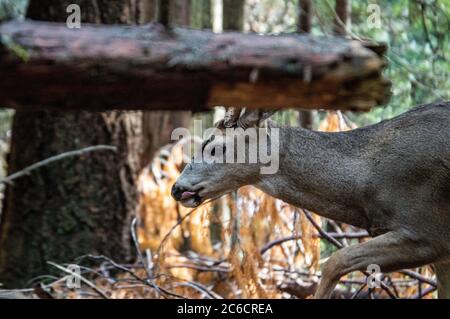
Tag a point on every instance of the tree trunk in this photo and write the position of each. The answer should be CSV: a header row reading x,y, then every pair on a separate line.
x,y
304,26
233,15
304,22
79,205
201,14
180,12
158,125
148,11
342,18
202,18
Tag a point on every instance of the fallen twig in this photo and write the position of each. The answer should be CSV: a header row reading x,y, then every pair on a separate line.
x,y
132,274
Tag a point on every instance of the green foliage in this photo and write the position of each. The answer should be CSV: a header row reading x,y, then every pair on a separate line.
x,y
12,9
417,33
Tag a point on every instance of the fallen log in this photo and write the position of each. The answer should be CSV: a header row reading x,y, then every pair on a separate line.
x,y
47,65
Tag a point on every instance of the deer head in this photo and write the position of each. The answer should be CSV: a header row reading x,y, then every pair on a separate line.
x,y
229,159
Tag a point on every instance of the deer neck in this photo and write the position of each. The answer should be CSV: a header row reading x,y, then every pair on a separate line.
x,y
321,172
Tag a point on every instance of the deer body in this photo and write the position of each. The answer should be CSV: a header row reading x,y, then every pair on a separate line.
x,y
391,178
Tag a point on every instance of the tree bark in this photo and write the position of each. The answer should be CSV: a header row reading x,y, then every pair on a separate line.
x,y
342,18
304,22
233,15
148,11
78,205
201,14
104,68
180,12
164,7
304,26
158,125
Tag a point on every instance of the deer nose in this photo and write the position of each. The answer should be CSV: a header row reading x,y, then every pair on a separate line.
x,y
177,191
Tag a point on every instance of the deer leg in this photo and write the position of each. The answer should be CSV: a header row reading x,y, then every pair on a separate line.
x,y
391,251
442,270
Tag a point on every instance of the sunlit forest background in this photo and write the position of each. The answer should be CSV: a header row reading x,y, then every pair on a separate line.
x,y
249,244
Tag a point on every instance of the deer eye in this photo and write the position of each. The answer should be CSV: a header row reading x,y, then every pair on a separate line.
x,y
213,151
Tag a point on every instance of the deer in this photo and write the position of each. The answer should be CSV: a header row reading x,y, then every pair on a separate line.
x,y
391,179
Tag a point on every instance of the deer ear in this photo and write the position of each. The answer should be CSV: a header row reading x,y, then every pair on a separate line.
x,y
219,125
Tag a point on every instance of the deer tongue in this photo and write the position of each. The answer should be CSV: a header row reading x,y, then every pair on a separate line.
x,y
187,195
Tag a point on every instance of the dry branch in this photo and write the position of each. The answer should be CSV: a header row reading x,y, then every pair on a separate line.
x,y
354,235
27,170
76,275
149,67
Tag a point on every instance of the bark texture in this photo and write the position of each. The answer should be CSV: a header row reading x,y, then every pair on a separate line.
x,y
305,15
158,125
342,17
304,24
233,14
201,14
150,67
79,205
147,11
